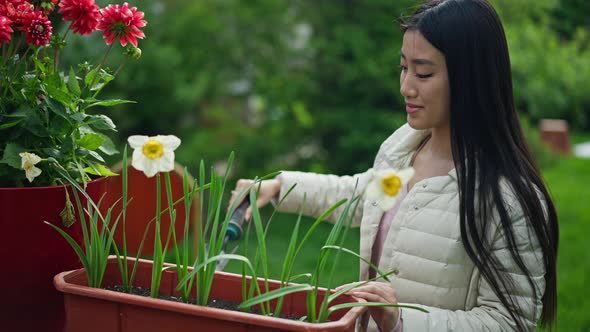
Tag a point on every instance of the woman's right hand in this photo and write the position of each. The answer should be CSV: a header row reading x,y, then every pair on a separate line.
x,y
269,189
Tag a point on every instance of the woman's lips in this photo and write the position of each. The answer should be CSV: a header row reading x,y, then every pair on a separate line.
x,y
411,108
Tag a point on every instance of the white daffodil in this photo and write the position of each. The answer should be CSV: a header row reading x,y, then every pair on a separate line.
x,y
386,186
153,154
28,161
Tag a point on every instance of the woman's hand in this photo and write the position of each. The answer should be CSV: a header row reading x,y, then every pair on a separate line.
x,y
385,317
269,189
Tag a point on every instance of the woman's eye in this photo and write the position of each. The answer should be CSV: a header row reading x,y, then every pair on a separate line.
x,y
403,68
424,76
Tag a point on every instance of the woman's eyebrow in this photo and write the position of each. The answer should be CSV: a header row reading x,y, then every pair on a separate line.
x,y
418,61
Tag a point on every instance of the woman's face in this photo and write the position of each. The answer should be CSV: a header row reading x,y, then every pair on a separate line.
x,y
424,83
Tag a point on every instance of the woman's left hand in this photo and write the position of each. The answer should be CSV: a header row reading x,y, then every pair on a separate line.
x,y
383,292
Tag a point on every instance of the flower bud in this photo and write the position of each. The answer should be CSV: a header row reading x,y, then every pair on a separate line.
x,y
133,52
67,215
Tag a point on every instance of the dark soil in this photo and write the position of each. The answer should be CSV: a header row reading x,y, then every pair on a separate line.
x,y
213,303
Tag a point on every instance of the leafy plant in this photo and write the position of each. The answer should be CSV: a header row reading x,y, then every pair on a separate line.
x,y
97,233
49,113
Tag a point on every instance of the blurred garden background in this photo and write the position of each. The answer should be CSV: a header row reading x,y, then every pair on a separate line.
x,y
314,85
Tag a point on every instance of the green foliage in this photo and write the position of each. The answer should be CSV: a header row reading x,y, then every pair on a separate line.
x,y
47,112
550,73
307,86
97,233
570,17
313,85
550,76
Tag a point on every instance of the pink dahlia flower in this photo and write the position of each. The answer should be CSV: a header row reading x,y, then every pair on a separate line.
x,y
5,29
120,22
37,28
84,15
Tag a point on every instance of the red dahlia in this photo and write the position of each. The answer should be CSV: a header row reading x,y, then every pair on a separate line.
x,y
84,15
37,28
16,10
5,29
119,22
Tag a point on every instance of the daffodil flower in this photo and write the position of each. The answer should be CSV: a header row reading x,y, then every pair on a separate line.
x,y
386,186
28,161
153,154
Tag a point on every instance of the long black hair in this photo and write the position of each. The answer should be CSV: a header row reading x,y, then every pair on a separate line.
x,y
488,145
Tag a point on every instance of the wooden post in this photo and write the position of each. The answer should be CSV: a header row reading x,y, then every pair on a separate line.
x,y
555,133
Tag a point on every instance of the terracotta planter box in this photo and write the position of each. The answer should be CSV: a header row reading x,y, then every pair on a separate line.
x,y
91,309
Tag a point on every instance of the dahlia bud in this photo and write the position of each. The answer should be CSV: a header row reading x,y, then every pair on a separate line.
x,y
133,52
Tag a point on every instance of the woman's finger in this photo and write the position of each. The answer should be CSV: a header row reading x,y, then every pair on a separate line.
x,y
371,297
384,290
339,288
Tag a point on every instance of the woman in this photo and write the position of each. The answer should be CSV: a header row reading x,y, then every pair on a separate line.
x,y
474,236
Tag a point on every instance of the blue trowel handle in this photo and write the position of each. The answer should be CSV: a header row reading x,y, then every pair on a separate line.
x,y
234,228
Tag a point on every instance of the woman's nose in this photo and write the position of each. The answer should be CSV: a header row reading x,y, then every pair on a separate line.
x,y
406,88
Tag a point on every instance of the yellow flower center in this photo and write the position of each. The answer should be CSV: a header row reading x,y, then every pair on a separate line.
x,y
28,167
153,149
391,185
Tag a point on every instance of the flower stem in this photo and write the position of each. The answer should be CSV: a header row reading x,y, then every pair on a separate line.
x,y
104,59
56,56
121,66
158,259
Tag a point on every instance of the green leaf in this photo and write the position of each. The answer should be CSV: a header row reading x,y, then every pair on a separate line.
x,y
35,125
39,64
96,156
59,95
110,102
102,170
11,156
90,77
350,252
101,122
373,304
57,107
73,84
79,117
91,141
10,124
275,294
98,83
108,147
52,152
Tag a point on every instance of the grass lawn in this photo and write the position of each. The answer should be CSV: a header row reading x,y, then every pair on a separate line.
x,y
569,183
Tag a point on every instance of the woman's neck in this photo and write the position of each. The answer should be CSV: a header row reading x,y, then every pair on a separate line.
x,y
439,144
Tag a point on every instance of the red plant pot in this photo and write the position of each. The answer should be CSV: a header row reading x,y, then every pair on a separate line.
x,y
28,299
97,310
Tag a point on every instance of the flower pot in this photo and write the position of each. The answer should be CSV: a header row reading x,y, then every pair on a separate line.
x,y
92,309
29,301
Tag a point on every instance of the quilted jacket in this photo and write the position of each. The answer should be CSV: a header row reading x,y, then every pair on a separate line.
x,y
424,244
